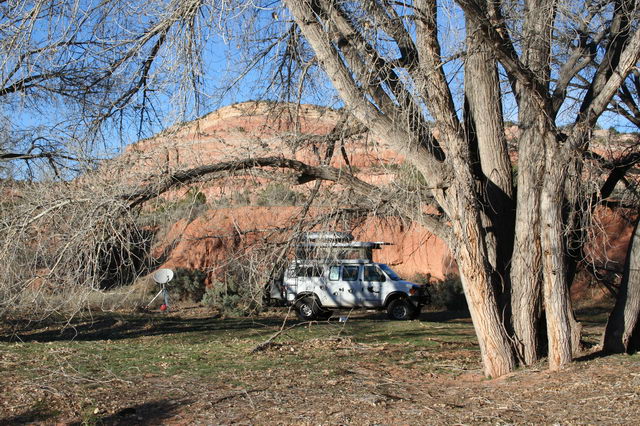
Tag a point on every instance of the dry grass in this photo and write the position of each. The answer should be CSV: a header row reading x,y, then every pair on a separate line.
x,y
186,367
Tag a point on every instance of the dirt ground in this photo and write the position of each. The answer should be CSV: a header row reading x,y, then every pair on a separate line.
x,y
311,380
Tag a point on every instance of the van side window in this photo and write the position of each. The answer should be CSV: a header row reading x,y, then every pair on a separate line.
x,y
334,273
350,273
309,271
372,273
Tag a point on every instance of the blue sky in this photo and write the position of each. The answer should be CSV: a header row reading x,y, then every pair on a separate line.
x,y
219,66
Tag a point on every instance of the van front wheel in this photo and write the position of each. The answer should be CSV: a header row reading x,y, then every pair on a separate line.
x,y
400,310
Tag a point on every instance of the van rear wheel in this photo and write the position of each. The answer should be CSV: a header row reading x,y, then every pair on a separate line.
x,y
308,308
400,310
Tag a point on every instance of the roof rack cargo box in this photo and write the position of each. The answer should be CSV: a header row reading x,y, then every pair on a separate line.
x,y
326,236
331,251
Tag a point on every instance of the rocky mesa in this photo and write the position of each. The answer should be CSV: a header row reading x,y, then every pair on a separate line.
x,y
228,214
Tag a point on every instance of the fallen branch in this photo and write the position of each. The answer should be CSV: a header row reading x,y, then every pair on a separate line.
x,y
243,392
267,343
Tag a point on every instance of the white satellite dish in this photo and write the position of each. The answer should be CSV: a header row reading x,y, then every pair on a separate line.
x,y
163,276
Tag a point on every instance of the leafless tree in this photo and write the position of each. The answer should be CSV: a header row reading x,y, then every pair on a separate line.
x,y
386,61
398,68
78,78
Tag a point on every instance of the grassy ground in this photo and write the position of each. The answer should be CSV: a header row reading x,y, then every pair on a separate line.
x,y
186,367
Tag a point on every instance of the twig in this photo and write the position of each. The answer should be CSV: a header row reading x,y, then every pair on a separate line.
x,y
235,394
267,343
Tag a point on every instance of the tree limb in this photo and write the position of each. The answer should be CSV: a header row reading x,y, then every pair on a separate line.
x,y
384,127
305,173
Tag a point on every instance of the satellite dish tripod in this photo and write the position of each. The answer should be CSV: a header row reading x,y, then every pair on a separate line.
x,y
165,295
162,277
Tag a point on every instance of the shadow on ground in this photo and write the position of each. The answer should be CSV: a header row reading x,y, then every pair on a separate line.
x,y
129,326
32,415
118,327
148,413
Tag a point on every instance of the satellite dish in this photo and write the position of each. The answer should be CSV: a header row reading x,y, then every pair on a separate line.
x,y
163,276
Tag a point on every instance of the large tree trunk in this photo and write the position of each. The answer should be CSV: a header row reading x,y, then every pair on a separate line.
x,y
623,329
497,355
485,129
334,41
460,201
526,259
482,88
556,292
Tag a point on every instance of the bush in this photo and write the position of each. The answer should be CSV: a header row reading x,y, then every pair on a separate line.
x,y
231,299
449,294
162,212
187,285
422,279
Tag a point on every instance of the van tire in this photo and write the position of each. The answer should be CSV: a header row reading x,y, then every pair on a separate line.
x,y
308,308
400,310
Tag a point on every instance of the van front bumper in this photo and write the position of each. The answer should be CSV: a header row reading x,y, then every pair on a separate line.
x,y
421,296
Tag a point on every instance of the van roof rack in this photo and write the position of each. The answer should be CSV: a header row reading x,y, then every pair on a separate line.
x,y
330,261
327,236
352,244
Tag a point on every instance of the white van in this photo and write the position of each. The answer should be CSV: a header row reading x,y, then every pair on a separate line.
x,y
330,274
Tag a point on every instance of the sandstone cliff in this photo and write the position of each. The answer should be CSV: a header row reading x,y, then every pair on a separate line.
x,y
227,219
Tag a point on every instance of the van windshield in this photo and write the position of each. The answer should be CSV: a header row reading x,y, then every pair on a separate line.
x,y
390,272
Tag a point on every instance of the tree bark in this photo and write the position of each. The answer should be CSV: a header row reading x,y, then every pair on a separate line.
x,y
495,349
526,260
556,292
485,132
623,330
482,88
472,256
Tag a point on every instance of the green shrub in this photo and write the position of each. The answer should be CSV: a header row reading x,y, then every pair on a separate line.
x,y
449,294
190,206
196,196
187,285
230,298
422,278
241,198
